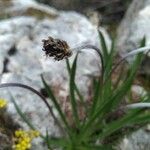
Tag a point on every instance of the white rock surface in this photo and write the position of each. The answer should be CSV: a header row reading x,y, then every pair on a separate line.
x,y
25,34
12,8
137,141
134,26
132,29
1,64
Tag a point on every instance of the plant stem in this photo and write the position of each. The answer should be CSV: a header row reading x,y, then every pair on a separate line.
x,y
97,50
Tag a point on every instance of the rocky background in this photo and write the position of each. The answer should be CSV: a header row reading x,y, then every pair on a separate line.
x,y
23,25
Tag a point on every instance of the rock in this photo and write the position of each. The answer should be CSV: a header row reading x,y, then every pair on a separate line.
x,y
4,142
135,23
27,41
1,65
64,4
11,8
137,141
21,43
137,91
133,28
31,105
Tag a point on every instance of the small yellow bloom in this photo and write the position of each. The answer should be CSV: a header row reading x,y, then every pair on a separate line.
x,y
3,103
23,139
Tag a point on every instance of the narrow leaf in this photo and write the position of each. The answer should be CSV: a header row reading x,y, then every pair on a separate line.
x,y
52,97
47,140
21,114
72,91
104,47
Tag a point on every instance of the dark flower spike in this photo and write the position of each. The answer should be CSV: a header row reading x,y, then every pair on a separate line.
x,y
56,48
59,49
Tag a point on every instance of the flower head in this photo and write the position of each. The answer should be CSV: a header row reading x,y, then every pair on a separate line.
x,y
23,139
56,48
3,103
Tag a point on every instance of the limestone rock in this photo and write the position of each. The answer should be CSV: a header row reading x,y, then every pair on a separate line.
x,y
21,43
11,8
1,64
133,28
137,141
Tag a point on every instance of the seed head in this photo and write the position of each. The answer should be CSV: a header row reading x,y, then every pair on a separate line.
x,y
58,49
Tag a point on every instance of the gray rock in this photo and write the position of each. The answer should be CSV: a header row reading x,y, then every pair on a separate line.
x,y
31,105
4,142
65,4
11,8
22,35
137,141
1,64
133,28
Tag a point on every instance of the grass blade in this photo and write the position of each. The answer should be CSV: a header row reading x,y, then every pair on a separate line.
x,y
68,66
47,140
52,97
58,142
109,61
122,91
72,91
76,88
114,100
96,96
104,48
21,114
116,125
97,147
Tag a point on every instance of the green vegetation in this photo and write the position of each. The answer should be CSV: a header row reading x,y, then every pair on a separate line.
x,y
108,117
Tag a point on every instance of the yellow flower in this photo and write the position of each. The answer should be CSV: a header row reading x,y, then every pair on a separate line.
x,y
23,139
3,103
